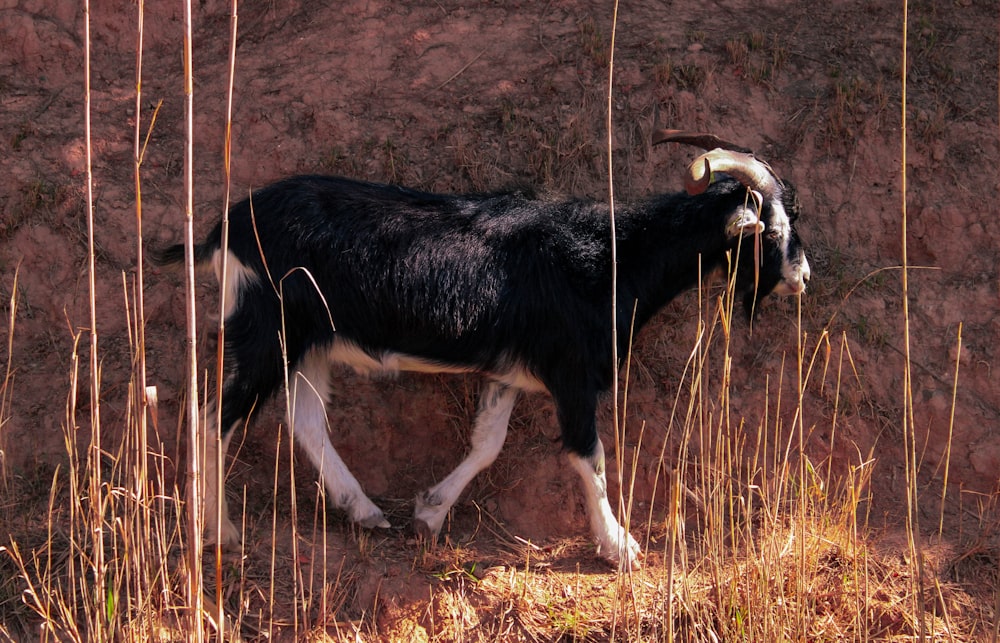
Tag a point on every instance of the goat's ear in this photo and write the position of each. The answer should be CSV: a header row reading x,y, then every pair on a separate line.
x,y
744,222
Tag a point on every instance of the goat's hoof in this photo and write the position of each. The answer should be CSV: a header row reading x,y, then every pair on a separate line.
x,y
632,553
629,551
424,530
428,516
633,563
375,521
229,547
228,536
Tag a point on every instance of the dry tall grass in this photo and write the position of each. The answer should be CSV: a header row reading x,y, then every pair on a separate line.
x,y
752,539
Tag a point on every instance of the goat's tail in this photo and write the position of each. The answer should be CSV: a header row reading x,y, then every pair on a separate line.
x,y
172,255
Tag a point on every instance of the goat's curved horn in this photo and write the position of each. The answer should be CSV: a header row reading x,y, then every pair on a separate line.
x,y
698,139
744,167
721,156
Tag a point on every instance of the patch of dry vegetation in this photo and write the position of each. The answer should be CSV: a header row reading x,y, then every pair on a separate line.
x,y
756,542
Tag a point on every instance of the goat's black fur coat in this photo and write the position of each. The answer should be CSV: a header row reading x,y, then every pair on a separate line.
x,y
479,281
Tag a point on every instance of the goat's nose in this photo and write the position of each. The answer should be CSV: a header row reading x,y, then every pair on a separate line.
x,y
805,271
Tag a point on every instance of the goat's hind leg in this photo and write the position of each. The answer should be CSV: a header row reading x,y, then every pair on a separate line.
x,y
488,435
218,527
310,430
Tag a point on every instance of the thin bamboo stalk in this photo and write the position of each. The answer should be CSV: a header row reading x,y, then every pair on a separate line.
x,y
196,445
96,489
223,289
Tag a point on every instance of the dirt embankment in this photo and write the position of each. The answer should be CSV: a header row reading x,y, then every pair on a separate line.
x,y
453,96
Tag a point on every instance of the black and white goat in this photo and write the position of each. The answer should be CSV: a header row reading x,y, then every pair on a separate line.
x,y
387,279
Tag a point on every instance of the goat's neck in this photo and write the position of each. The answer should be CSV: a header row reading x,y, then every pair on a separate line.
x,y
662,244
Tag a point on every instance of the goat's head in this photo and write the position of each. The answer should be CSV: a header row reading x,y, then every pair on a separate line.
x,y
771,256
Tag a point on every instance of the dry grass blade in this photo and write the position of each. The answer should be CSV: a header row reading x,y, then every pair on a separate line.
x,y
7,385
196,434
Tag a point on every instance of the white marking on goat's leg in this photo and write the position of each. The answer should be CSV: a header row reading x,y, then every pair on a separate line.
x,y
488,435
613,542
310,390
224,531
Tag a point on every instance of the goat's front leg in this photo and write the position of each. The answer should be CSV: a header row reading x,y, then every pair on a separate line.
x,y
307,417
613,542
488,435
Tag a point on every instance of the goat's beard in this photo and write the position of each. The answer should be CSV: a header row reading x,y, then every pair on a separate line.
x,y
754,295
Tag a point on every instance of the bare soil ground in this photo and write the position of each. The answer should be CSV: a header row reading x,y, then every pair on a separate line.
x,y
467,96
